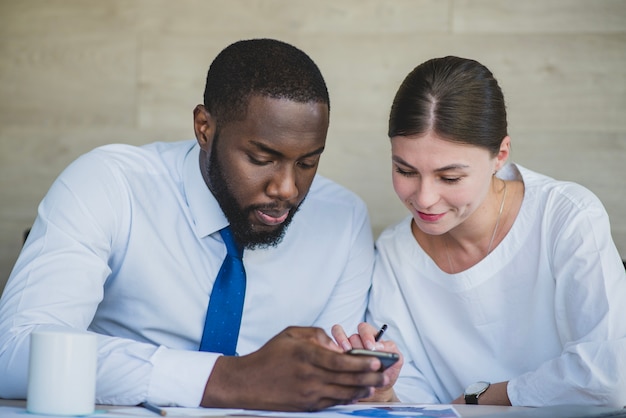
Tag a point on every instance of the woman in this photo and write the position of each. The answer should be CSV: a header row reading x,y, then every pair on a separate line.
x,y
504,285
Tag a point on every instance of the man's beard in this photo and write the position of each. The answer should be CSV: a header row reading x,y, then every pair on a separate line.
x,y
237,216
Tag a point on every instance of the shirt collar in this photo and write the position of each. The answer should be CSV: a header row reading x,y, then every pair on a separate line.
x,y
206,212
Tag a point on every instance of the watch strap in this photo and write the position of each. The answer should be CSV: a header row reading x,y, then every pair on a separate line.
x,y
471,399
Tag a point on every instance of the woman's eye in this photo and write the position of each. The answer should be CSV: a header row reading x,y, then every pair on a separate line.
x,y
404,172
451,179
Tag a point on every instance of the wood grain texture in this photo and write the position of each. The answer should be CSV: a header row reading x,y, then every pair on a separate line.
x,y
539,16
76,74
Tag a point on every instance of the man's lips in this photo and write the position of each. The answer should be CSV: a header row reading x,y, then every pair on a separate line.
x,y
271,218
430,217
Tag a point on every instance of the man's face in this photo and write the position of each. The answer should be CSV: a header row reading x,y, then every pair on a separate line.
x,y
261,168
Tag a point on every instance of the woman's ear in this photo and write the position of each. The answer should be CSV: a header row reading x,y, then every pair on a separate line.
x,y
204,127
503,154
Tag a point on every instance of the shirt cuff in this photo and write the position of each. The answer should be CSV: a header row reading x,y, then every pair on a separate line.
x,y
514,392
180,376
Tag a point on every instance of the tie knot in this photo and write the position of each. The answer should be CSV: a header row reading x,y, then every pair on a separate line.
x,y
231,246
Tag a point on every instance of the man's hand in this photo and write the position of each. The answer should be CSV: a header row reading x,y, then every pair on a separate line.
x,y
300,369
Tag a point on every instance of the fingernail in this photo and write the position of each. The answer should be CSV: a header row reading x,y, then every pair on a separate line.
x,y
346,346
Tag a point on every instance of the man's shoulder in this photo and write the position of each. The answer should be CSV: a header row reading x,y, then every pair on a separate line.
x,y
330,192
149,150
146,157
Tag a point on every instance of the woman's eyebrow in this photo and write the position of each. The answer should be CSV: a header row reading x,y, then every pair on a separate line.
x,y
452,167
449,167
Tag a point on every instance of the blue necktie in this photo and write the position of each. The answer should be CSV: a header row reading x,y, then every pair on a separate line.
x,y
223,317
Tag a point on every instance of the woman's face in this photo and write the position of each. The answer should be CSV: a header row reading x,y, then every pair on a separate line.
x,y
442,183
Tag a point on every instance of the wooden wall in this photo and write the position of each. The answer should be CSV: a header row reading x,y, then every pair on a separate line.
x,y
75,74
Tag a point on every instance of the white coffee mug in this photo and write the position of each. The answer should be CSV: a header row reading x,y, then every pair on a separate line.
x,y
62,372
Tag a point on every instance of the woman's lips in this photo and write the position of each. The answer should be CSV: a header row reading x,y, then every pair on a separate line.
x,y
430,217
271,219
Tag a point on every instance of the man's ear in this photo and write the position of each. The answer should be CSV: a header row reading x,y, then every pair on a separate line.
x,y
204,126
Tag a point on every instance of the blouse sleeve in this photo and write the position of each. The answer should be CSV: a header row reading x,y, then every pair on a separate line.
x,y
590,310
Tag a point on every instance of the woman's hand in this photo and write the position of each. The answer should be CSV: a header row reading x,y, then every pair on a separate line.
x,y
366,338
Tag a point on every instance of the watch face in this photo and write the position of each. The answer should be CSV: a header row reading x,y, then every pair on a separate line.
x,y
477,387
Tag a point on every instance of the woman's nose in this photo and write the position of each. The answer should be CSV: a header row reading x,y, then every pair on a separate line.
x,y
426,195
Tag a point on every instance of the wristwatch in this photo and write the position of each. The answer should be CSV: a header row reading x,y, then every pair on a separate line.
x,y
473,391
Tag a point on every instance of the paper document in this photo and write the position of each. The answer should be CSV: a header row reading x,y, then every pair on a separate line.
x,y
365,410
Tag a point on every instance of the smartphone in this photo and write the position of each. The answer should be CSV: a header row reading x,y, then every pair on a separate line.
x,y
386,358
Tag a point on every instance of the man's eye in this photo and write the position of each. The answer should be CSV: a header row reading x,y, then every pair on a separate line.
x,y
307,164
257,161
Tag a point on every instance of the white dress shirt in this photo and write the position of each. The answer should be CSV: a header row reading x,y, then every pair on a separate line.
x,y
546,310
126,245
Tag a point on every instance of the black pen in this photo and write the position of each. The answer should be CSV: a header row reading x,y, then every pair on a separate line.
x,y
152,407
380,333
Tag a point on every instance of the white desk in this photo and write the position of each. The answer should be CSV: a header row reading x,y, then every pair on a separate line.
x,y
463,410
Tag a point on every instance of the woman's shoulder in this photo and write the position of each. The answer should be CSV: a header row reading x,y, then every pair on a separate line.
x,y
396,235
548,191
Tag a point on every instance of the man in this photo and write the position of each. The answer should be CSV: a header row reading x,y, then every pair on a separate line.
x,y
127,244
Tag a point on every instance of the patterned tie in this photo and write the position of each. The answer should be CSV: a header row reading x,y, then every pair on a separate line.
x,y
223,317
